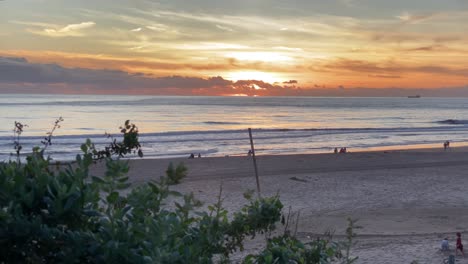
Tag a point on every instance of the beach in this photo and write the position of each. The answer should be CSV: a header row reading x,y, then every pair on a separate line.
x,y
405,201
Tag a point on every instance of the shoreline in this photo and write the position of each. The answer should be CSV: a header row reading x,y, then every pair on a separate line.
x,y
455,147
274,143
429,147
419,148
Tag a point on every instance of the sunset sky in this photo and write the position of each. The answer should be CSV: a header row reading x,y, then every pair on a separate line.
x,y
211,47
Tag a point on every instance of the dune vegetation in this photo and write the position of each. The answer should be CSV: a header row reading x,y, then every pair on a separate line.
x,y
62,214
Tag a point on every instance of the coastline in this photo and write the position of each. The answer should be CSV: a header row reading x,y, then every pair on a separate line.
x,y
455,147
430,147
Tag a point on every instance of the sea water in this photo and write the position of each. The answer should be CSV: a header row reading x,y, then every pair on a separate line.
x,y
217,126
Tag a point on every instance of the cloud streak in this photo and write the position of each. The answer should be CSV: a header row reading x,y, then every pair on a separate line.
x,y
71,30
388,68
148,66
415,18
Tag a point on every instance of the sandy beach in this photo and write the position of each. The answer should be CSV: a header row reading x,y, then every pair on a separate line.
x,y
406,201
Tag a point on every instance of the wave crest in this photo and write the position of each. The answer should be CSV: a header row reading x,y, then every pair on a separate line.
x,y
221,123
453,122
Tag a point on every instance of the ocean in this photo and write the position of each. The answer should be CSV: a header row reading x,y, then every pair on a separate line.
x,y
217,126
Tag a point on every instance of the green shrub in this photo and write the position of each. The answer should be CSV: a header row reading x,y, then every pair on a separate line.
x,y
287,249
68,216
174,176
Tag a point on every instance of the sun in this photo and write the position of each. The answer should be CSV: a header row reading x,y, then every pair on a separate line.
x,y
253,75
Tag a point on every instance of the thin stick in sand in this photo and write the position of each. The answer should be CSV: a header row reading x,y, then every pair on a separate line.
x,y
254,161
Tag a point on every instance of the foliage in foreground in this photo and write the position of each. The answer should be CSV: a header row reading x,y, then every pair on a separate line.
x,y
289,249
175,175
65,215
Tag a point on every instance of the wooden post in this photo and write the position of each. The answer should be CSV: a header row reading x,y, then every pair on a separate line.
x,y
254,161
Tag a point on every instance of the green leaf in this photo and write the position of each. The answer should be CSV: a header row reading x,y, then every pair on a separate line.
x,y
113,197
78,158
71,201
91,213
84,148
98,180
123,179
122,186
126,209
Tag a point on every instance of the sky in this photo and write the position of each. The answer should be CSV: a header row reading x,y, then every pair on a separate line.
x,y
242,47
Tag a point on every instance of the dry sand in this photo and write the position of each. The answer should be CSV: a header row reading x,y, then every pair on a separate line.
x,y
406,201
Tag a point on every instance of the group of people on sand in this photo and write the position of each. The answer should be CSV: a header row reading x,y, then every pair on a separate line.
x,y
342,150
192,156
459,245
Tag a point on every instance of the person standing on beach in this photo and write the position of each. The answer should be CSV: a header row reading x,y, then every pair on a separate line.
x,y
459,245
444,245
446,145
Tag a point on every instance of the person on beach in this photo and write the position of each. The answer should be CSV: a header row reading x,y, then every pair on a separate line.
x,y
459,245
444,245
446,145
192,156
199,155
336,150
249,153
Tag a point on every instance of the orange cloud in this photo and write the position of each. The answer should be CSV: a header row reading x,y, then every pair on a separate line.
x,y
18,75
148,66
392,74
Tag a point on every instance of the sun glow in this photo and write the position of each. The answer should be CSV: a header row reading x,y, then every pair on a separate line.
x,y
259,56
254,75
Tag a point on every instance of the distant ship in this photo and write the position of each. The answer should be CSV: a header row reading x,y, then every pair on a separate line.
x,y
414,96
